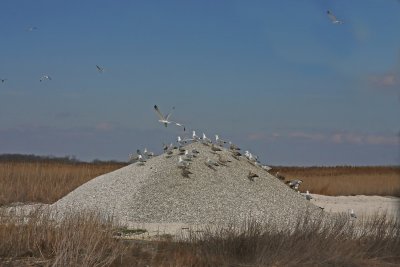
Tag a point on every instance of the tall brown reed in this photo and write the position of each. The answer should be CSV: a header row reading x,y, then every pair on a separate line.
x,y
45,182
346,180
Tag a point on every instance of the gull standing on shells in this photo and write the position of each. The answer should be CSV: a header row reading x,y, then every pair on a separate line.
x,y
45,77
182,164
308,196
195,137
219,141
333,18
352,214
206,140
165,119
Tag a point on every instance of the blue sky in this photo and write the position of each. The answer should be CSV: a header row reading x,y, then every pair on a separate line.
x,y
275,77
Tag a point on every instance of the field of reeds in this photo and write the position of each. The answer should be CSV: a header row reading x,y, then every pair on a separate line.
x,y
346,180
89,240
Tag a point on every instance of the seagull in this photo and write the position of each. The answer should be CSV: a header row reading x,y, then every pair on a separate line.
x,y
185,173
211,164
188,156
280,176
165,119
236,154
265,167
215,148
233,146
45,77
182,164
333,18
134,158
294,184
147,153
222,161
195,152
252,175
141,160
352,214
308,196
195,137
100,69
206,140
219,141
3,80
31,29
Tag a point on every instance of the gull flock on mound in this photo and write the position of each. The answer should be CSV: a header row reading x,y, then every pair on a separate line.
x,y
185,156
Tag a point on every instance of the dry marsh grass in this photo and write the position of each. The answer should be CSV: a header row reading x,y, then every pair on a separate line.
x,y
45,181
346,180
78,240
308,243
89,240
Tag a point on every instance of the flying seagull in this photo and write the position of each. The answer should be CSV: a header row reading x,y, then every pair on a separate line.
x,y
100,69
3,80
45,77
165,119
333,18
32,28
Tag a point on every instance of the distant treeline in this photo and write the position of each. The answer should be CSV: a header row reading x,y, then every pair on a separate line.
x,y
50,158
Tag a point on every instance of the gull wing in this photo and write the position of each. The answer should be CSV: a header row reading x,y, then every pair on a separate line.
x,y
169,114
331,16
159,112
100,69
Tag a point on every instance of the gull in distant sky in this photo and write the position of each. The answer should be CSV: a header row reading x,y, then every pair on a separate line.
x,y
3,80
45,77
165,119
32,28
100,69
333,18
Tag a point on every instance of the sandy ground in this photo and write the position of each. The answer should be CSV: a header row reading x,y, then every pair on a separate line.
x,y
362,206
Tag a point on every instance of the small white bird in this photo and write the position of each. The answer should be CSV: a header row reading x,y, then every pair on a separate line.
x,y
308,196
165,119
195,137
206,140
182,164
294,184
147,153
265,167
219,141
32,28
45,77
141,160
188,156
100,69
352,214
333,18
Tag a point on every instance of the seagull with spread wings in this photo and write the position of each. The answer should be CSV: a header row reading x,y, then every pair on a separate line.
x,y
100,69
333,18
165,119
45,77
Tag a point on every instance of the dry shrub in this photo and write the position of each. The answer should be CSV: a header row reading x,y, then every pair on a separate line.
x,y
346,180
77,240
45,182
307,243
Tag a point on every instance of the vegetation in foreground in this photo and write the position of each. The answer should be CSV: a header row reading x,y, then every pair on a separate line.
x,y
88,240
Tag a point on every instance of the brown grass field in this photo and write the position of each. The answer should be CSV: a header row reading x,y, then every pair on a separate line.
x,y
346,180
88,240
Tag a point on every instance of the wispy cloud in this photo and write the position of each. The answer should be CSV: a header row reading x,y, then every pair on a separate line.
x,y
333,137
